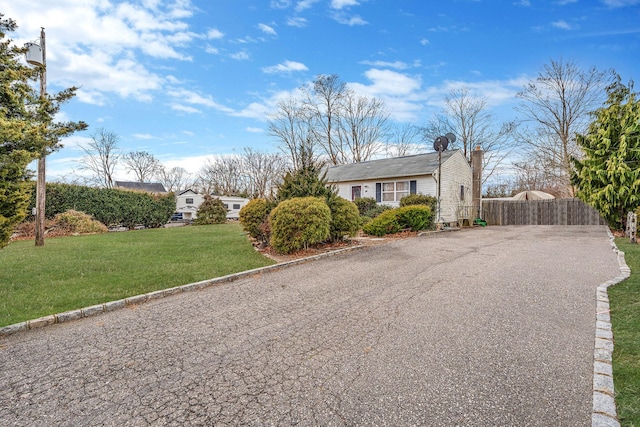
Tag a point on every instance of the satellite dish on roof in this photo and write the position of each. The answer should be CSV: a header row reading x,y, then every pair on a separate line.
x,y
441,143
451,137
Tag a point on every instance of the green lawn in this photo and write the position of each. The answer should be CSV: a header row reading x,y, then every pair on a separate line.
x,y
75,272
625,316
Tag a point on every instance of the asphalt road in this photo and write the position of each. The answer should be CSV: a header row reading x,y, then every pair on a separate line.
x,y
488,326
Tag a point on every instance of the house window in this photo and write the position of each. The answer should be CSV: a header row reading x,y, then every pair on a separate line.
x,y
236,206
189,200
226,206
394,191
461,192
356,192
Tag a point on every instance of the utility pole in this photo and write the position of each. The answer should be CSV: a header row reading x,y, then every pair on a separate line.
x,y
38,57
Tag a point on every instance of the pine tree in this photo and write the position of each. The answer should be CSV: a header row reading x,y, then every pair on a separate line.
x,y
608,176
211,211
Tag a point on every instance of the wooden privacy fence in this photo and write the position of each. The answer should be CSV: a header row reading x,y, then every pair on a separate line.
x,y
540,212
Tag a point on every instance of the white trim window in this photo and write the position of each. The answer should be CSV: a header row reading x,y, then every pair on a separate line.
x,y
394,191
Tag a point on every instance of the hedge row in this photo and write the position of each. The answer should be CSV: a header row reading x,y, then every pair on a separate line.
x,y
109,206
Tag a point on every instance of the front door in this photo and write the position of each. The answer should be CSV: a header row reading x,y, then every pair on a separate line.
x,y
356,192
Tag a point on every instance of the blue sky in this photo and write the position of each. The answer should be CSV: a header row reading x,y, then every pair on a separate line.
x,y
189,79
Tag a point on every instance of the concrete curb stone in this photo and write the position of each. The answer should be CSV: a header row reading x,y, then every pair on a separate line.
x,y
604,412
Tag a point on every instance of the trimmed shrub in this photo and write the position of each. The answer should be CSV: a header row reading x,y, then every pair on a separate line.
x,y
298,223
416,217
345,218
211,211
74,222
377,210
254,217
420,199
109,206
385,223
365,204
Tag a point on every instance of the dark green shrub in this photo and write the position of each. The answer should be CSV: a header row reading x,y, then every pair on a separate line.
x,y
416,217
377,210
298,223
109,206
420,199
254,217
308,181
345,219
385,223
211,211
365,204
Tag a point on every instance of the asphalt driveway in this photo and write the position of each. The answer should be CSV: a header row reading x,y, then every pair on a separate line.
x,y
488,326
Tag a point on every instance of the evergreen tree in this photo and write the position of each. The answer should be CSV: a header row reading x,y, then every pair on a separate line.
x,y
211,211
27,129
307,181
608,176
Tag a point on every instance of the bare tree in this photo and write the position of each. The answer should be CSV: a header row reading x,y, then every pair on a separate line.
x,y
143,164
324,104
222,175
469,119
557,105
330,123
262,171
403,140
175,179
102,155
362,128
291,124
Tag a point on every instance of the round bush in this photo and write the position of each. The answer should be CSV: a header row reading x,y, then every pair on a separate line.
x,y
298,223
345,218
416,217
385,223
419,199
254,217
211,211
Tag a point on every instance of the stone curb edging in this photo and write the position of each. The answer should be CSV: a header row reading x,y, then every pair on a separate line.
x,y
139,299
604,405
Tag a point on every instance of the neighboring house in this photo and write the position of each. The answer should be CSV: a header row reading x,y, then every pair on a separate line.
x,y
148,187
188,201
388,180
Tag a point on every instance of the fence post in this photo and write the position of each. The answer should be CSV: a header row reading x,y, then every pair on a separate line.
x,y
632,226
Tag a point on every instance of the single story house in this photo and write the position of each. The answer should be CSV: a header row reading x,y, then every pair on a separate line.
x,y
388,180
188,201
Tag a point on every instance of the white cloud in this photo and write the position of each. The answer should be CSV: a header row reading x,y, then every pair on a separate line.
x,y
351,21
563,25
143,136
304,4
214,34
398,65
297,22
185,109
341,4
254,129
104,47
185,96
424,42
240,56
620,3
287,67
267,29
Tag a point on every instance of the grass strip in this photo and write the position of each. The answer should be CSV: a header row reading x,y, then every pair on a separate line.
x,y
624,299
74,272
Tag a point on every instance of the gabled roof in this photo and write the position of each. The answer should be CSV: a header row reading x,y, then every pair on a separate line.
x,y
185,191
418,164
149,187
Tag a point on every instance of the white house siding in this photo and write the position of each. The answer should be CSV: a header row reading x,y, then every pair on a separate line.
x,y
455,172
189,210
424,185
